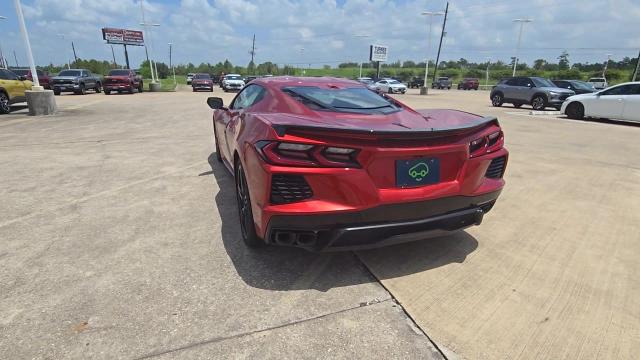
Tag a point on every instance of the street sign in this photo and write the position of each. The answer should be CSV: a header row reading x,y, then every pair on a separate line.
x,y
378,53
123,36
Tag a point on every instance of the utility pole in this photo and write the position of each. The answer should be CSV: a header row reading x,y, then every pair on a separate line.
x,y
444,25
171,64
74,53
487,81
635,72
431,14
15,58
606,65
253,53
126,55
515,61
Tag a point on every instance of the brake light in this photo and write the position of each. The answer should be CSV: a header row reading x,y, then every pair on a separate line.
x,y
486,144
307,155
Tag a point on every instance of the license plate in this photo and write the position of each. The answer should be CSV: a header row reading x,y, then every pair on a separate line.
x,y
417,172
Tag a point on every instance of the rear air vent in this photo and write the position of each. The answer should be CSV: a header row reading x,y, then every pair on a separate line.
x,y
289,188
496,168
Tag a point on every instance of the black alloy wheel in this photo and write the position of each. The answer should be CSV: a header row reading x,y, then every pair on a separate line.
x,y
245,214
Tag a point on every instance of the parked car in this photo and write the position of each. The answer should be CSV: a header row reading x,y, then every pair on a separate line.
x,y
443,82
43,76
77,81
469,84
232,82
325,163
123,80
365,80
579,87
416,82
620,102
12,90
202,82
538,92
250,78
390,86
189,78
599,83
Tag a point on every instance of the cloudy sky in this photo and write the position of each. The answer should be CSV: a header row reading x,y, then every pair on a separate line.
x,y
325,31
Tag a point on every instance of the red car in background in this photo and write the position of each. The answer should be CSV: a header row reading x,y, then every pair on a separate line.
x,y
122,80
325,163
202,82
43,76
469,83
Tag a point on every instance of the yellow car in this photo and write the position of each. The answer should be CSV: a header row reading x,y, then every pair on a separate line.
x,y
12,88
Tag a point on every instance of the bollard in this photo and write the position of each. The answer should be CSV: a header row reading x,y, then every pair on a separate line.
x,y
40,101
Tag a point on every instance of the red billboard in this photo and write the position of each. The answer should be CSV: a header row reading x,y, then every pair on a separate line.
x,y
123,36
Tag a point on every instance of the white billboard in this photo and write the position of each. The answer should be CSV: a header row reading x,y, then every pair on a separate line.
x,y
378,53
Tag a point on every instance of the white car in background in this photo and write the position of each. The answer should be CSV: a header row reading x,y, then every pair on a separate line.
x,y
620,102
390,86
232,82
189,78
599,83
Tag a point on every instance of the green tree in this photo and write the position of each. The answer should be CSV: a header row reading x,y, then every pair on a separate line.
x,y
563,61
538,64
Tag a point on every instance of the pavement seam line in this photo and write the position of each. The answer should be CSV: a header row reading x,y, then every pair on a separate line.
x,y
249,333
364,264
93,196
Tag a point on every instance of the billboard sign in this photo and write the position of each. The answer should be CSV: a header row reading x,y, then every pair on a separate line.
x,y
123,36
378,53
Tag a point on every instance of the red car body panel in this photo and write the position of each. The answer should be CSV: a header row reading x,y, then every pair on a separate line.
x,y
381,140
127,82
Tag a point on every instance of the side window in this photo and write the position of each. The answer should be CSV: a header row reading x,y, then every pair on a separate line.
x,y
248,97
512,82
8,75
619,90
3,75
525,82
635,89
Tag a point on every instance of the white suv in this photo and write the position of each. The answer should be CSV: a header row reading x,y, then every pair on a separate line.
x,y
232,82
599,83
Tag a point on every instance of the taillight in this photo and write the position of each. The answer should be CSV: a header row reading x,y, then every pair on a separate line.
x,y
307,155
486,144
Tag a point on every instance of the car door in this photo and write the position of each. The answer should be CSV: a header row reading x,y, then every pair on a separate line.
x,y
608,103
631,109
89,80
511,89
13,85
382,85
228,126
526,89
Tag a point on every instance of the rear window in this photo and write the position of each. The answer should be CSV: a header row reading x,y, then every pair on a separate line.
x,y
202,76
119,73
69,73
597,80
350,100
20,72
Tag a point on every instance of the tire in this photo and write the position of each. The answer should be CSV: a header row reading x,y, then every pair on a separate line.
x,y
517,105
575,111
141,87
245,214
390,91
193,89
82,91
56,92
107,92
131,89
497,100
5,108
98,88
448,87
539,102
459,87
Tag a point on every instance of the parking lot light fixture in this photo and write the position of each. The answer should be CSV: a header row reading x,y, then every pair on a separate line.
x,y
25,38
430,14
515,60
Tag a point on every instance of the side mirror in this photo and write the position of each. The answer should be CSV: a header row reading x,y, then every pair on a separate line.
x,y
215,103
22,78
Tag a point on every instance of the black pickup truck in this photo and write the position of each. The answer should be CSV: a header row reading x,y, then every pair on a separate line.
x,y
77,81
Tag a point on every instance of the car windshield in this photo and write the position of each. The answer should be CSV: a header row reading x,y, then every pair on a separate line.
x,y
235,77
596,80
69,73
394,82
202,76
20,72
353,100
541,82
582,85
119,73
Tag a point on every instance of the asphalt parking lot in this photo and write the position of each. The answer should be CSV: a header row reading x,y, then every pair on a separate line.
x,y
120,240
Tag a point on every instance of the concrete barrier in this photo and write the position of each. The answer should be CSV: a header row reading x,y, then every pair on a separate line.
x,y
154,87
40,102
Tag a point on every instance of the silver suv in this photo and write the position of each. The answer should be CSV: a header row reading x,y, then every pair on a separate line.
x,y
538,92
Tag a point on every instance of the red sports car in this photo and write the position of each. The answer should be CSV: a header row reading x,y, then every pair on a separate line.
x,y
325,163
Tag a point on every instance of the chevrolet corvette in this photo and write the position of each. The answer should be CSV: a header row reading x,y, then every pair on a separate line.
x,y
327,164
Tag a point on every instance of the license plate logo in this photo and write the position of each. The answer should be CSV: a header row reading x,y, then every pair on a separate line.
x,y
417,172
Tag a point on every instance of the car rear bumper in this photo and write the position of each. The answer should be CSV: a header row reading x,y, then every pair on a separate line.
x,y
116,87
380,226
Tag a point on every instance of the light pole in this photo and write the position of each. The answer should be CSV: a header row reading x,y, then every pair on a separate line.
x,y
606,65
3,62
152,64
515,61
301,61
362,37
171,64
68,61
430,14
487,81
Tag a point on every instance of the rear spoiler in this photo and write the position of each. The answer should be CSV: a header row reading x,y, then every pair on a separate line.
x,y
481,122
